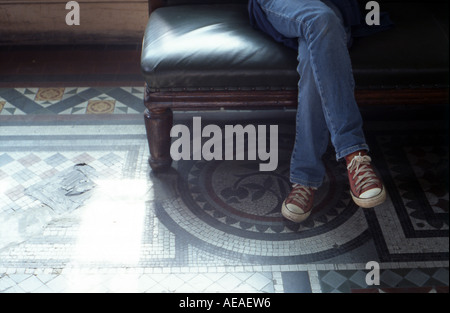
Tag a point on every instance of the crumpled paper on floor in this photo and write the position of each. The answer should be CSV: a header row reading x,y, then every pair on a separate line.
x,y
58,195
66,191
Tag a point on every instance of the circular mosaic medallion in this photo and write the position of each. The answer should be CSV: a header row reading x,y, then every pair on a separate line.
x,y
246,201
231,206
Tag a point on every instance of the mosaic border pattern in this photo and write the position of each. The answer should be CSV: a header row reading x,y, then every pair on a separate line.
x,y
176,262
396,231
71,100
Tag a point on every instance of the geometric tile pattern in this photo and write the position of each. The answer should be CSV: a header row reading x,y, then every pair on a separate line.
x,y
203,226
138,282
415,164
233,198
71,100
25,169
418,279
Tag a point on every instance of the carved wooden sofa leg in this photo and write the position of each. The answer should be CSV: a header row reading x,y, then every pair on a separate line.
x,y
158,123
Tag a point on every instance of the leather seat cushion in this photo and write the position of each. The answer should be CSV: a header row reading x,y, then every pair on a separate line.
x,y
213,47
412,54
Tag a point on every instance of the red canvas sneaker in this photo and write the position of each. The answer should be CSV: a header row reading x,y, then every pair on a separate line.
x,y
366,188
298,204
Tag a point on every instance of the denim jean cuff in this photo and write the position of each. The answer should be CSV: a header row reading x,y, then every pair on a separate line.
x,y
307,183
347,151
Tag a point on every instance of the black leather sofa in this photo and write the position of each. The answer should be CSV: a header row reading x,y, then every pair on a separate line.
x,y
205,55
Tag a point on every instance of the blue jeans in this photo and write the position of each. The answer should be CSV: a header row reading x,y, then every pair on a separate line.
x,y
326,103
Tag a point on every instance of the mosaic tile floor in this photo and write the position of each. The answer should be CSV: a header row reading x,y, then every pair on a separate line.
x,y
71,100
206,226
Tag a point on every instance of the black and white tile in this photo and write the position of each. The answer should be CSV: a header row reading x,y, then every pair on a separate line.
x,y
206,226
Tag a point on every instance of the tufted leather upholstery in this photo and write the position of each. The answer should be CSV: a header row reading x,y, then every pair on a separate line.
x,y
213,47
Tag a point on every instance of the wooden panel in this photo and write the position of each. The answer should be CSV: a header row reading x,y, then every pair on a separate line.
x,y
270,99
101,21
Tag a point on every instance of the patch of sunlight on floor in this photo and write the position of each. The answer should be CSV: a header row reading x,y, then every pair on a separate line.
x,y
112,223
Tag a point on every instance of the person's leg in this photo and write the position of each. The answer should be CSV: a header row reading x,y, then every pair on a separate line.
x,y
326,85
326,101
312,135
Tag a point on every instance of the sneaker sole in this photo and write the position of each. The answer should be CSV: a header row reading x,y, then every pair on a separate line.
x,y
294,217
370,202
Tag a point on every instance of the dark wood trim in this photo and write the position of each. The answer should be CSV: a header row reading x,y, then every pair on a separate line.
x,y
158,115
226,99
256,99
412,96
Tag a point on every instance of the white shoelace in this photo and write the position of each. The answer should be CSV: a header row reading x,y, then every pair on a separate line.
x,y
360,164
301,193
